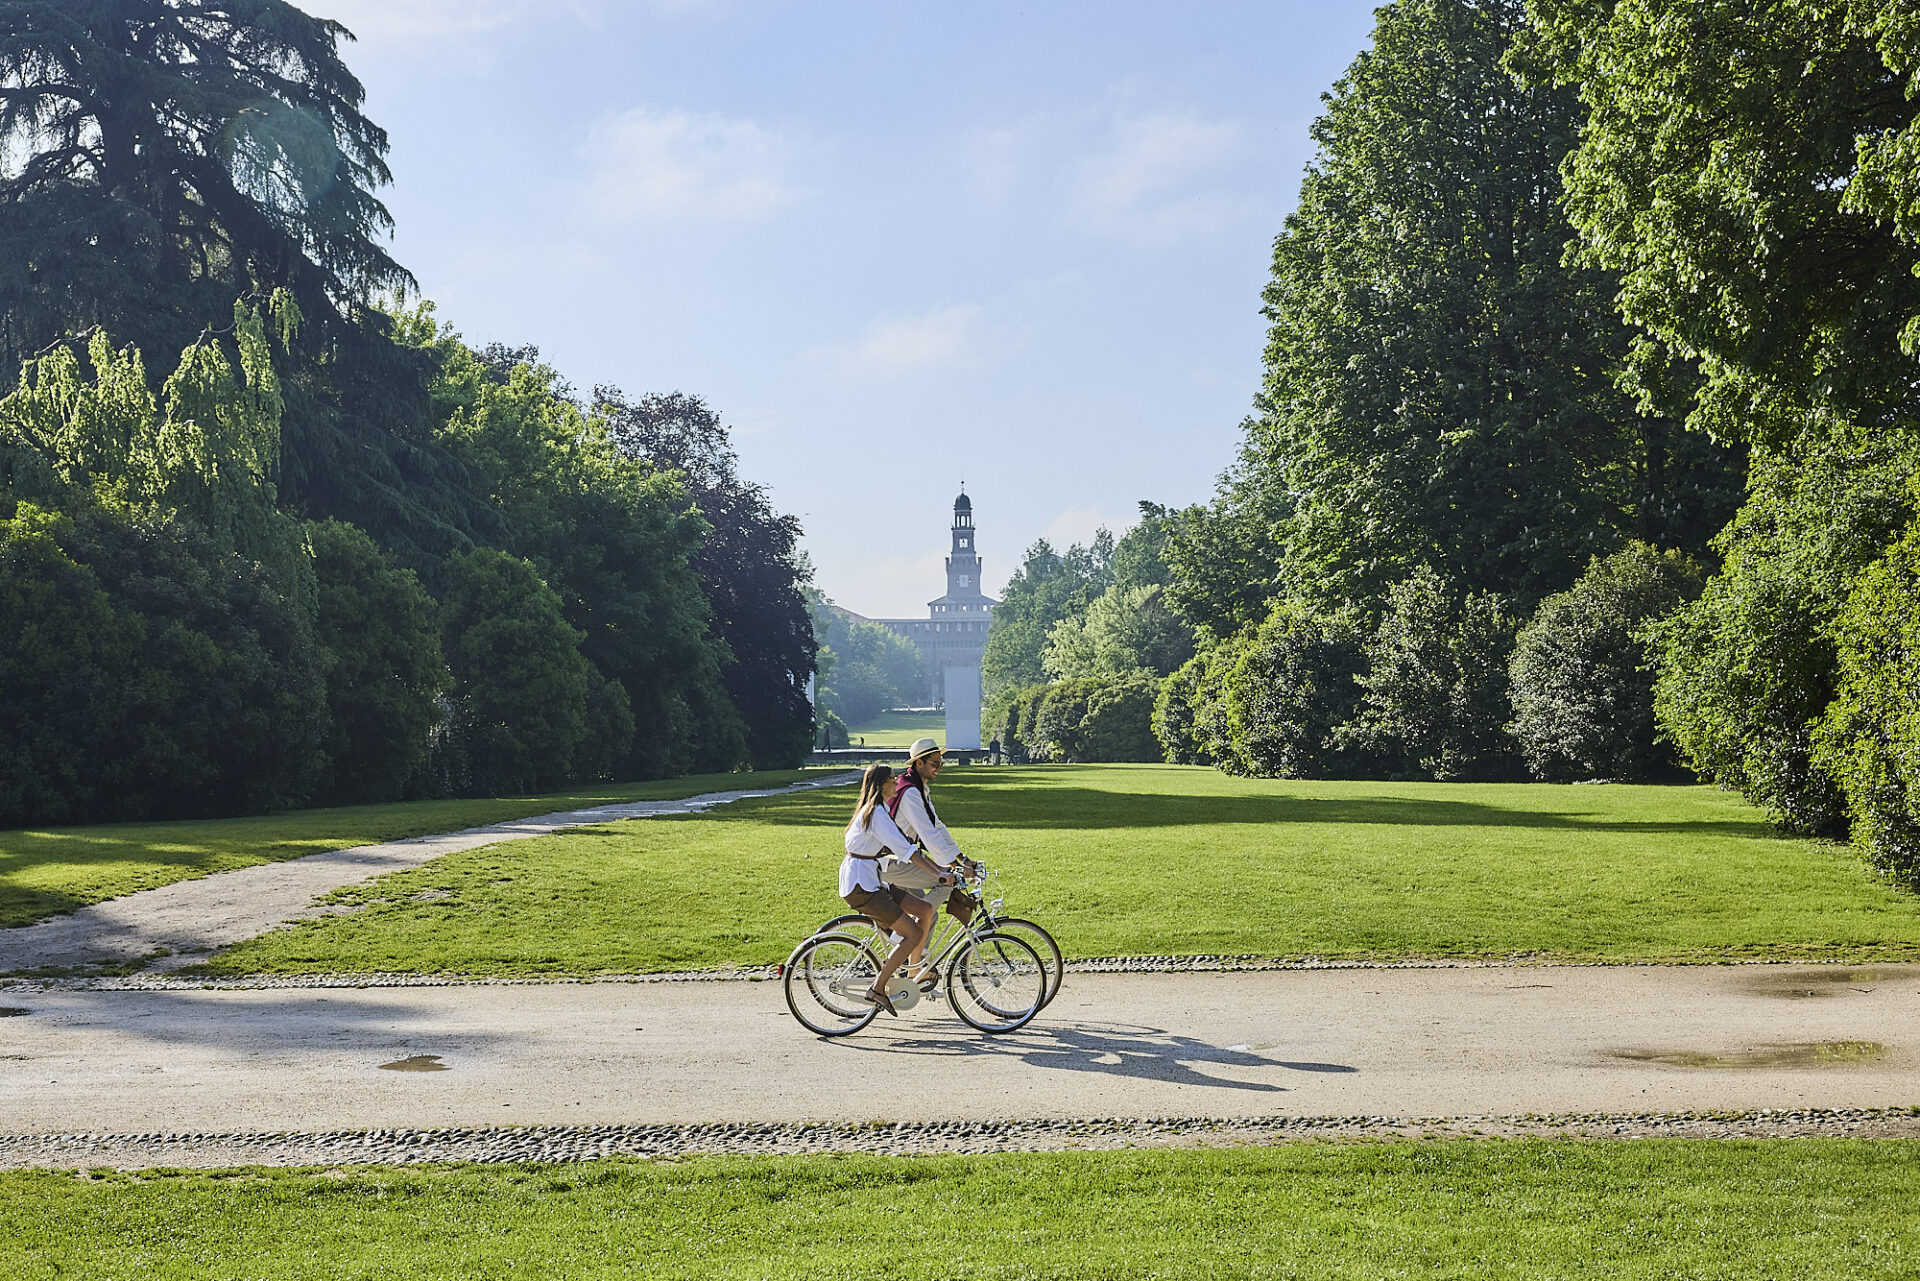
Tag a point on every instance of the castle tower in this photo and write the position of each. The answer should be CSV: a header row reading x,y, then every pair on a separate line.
x,y
964,597
953,636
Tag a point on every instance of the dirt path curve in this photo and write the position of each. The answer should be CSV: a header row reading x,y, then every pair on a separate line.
x,y
1283,1044
189,919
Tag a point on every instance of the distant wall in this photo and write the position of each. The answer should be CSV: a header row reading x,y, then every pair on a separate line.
x,y
942,645
963,707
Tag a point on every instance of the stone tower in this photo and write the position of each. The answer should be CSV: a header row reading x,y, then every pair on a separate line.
x,y
953,636
964,597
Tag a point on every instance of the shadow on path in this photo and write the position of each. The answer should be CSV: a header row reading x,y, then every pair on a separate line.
x,y
1116,1050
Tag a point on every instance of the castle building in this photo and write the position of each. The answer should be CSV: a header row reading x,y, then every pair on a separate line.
x,y
953,636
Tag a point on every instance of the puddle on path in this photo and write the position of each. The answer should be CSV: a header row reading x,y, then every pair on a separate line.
x,y
13,1011
1800,985
415,1063
1791,1054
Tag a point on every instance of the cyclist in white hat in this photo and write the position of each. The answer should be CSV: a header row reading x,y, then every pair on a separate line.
x,y
871,839
928,874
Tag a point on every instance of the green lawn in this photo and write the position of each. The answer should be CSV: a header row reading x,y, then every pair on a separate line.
x,y
44,872
899,729
1143,860
1653,1209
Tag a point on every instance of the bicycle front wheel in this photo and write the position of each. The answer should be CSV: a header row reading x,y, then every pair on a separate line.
x,y
1037,938
826,980
996,983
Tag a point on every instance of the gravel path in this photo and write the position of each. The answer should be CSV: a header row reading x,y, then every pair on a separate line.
x,y
190,919
1085,1134
525,1071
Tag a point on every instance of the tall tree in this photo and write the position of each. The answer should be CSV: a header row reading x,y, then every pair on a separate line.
x,y
867,667
1046,588
614,536
155,607
1750,171
171,153
750,565
1440,387
159,158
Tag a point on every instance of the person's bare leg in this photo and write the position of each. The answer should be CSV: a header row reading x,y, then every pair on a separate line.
x,y
928,914
910,931
924,915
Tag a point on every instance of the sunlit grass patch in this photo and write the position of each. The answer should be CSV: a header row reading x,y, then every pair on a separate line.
x,y
1152,860
899,729
1653,1209
45,872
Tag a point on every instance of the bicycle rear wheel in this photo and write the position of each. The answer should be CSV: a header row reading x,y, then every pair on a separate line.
x,y
996,983
1036,937
856,926
878,938
825,981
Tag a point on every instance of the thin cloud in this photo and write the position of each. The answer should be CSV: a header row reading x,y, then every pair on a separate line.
x,y
899,345
1154,178
654,165
997,163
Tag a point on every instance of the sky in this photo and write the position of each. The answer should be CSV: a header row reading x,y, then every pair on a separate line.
x,y
897,246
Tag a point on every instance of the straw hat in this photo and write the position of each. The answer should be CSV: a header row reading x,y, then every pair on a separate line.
x,y
922,747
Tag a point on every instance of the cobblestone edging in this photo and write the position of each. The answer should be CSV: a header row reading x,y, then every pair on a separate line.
x,y
583,1143
759,974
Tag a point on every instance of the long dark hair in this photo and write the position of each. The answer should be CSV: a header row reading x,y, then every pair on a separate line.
x,y
871,784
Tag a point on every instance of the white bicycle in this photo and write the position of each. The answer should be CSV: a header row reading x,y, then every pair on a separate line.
x,y
996,982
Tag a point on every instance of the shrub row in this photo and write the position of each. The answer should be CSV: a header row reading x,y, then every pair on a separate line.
x,y
1089,719
1445,685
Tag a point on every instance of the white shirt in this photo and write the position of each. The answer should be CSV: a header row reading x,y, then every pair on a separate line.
x,y
880,836
914,820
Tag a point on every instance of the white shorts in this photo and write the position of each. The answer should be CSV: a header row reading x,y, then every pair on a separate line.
x,y
924,885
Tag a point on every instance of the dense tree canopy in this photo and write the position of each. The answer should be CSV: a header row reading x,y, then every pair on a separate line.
x,y
1583,677
868,667
750,565
1046,588
1750,171
159,158
1454,420
379,638
164,155
613,535
1440,385
246,556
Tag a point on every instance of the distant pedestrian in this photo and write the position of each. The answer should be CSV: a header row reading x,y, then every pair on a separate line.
x,y
993,751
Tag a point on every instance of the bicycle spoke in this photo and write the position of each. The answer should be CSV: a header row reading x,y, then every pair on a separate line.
x,y
996,983
825,982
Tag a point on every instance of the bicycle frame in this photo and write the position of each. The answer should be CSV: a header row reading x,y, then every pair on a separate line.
x,y
947,931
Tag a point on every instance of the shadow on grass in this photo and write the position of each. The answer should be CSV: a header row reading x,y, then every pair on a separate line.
x,y
1048,807
20,908
108,860
1148,1053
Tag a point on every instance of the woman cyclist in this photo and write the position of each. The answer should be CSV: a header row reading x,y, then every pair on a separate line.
x,y
871,837
927,872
